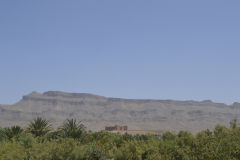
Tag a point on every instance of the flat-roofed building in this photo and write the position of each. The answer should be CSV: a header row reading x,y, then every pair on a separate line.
x,y
124,129
116,128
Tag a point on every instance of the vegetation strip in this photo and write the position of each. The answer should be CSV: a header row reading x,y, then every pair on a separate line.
x,y
71,141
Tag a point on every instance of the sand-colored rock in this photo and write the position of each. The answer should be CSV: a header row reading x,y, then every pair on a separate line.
x,y
96,112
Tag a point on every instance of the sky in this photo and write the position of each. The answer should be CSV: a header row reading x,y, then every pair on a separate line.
x,y
182,50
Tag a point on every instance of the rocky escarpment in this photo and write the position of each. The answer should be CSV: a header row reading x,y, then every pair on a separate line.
x,y
98,111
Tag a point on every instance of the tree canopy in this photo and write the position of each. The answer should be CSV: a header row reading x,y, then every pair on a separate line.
x,y
71,141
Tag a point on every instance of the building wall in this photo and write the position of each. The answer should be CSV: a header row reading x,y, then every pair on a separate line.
x,y
116,128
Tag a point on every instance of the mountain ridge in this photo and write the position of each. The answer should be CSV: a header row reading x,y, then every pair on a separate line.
x,y
81,95
98,111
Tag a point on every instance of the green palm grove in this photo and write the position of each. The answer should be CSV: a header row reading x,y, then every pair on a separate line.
x,y
71,141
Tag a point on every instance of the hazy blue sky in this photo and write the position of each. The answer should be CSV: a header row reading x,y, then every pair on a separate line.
x,y
172,49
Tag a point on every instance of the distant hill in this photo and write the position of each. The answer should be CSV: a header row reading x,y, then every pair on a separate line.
x,y
98,111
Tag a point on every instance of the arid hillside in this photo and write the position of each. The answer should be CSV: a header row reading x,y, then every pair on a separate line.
x,y
98,111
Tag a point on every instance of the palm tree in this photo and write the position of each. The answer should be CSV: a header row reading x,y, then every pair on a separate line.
x,y
2,135
233,124
11,132
72,128
39,127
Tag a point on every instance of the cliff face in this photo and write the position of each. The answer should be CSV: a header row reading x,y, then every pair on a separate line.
x,y
98,111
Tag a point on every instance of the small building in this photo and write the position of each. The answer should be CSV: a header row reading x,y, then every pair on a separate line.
x,y
116,128
124,130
